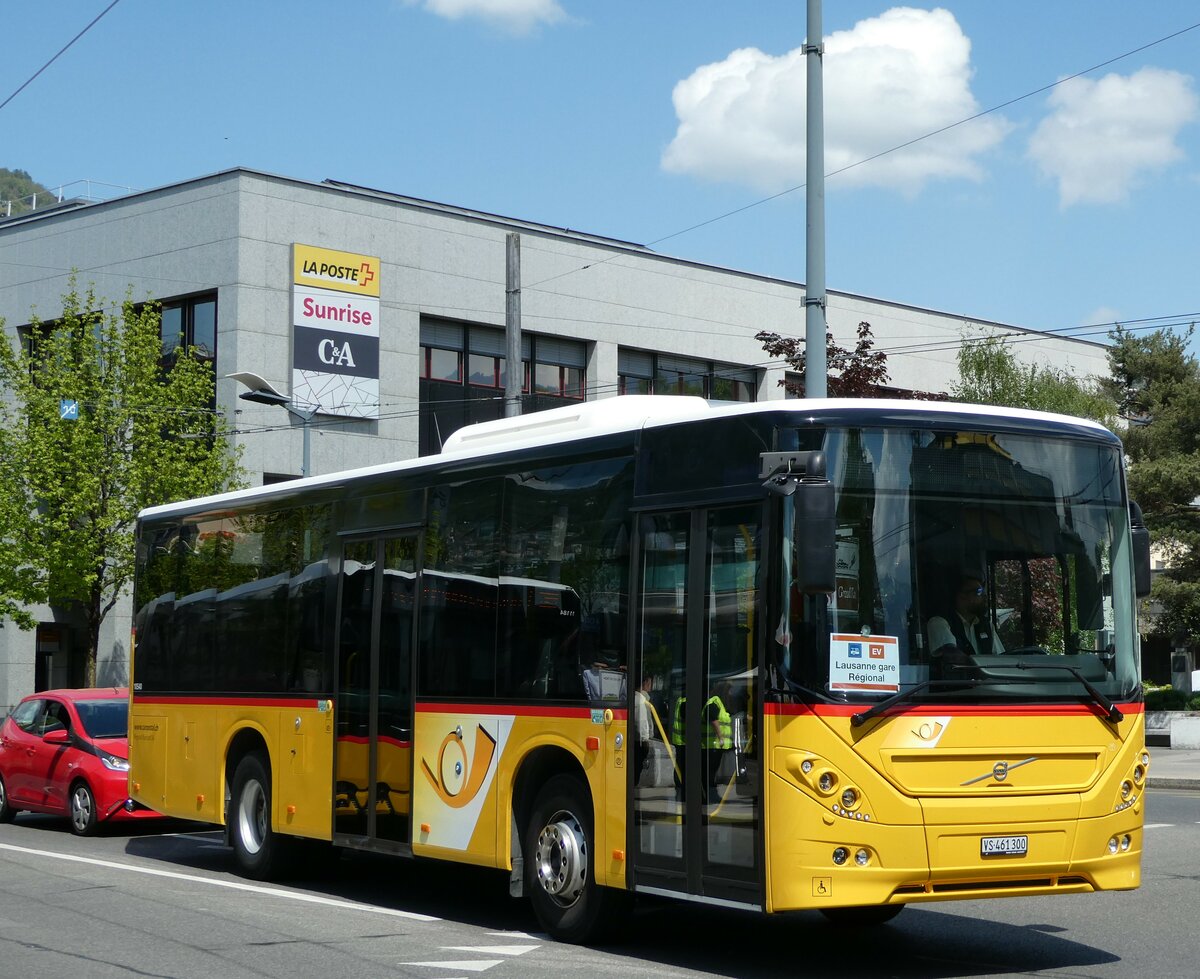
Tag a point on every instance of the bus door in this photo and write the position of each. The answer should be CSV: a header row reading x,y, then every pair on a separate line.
x,y
696,791
373,753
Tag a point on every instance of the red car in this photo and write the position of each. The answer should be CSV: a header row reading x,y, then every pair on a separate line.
x,y
66,752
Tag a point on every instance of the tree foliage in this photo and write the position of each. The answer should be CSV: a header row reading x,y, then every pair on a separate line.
x,y
1156,382
858,373
18,188
990,374
71,489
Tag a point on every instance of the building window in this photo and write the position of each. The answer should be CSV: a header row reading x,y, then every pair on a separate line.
x,y
190,322
642,372
464,370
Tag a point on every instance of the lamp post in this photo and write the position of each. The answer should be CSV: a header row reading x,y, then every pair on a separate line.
x,y
263,392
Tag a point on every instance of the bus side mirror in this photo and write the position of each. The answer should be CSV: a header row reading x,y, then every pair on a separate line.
x,y
815,567
1141,551
801,476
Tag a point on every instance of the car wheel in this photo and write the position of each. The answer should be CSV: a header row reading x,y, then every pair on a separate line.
x,y
559,855
6,811
83,810
259,850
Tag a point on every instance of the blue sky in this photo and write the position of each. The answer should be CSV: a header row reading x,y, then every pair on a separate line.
x,y
640,119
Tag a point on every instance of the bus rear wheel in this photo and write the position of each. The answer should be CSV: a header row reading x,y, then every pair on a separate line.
x,y
560,864
256,846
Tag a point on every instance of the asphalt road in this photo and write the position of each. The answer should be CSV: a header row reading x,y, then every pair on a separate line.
x,y
167,904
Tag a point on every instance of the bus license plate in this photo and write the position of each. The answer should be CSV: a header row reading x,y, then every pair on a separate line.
x,y
1003,846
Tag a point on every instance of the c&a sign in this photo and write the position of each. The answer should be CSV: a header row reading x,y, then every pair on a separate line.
x,y
335,331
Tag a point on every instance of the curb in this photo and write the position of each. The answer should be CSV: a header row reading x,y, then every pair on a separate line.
x,y
1167,782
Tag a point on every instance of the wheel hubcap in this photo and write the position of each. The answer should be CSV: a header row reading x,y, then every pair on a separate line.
x,y
252,814
81,807
561,858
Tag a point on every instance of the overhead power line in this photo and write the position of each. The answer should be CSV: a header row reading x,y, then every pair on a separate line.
x,y
27,81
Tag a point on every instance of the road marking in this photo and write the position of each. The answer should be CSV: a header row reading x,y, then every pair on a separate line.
x,y
491,949
1157,825
479,965
232,885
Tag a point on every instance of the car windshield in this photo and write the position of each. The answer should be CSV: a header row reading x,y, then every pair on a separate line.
x,y
996,559
104,718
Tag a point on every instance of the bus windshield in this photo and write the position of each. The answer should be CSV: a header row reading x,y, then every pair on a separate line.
x,y
980,565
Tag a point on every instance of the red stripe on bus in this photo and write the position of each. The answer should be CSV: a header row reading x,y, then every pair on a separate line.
x,y
978,710
511,710
291,703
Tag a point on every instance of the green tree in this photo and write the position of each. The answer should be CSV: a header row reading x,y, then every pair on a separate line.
x,y
1156,382
145,435
17,190
990,374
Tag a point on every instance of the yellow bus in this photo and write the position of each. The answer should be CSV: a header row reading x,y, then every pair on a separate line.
x,y
828,654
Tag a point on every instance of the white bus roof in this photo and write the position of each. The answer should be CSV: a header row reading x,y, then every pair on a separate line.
x,y
609,416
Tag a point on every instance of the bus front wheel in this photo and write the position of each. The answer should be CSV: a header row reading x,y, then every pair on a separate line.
x,y
560,864
256,846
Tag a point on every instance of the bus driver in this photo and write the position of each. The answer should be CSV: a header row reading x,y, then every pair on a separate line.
x,y
967,630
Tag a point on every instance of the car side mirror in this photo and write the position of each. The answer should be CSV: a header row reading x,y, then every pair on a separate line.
x,y
58,736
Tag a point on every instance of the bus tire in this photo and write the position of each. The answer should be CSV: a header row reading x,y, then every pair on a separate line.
x,y
559,853
876,914
6,810
257,848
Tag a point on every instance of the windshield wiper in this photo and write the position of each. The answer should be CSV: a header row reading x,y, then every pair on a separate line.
x,y
1114,713
861,718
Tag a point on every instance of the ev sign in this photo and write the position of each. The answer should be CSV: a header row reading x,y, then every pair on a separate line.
x,y
68,410
335,331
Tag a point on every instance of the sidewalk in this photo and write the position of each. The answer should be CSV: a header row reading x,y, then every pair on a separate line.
x,y
1178,769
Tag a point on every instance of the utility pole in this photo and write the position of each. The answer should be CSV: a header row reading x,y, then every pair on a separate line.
x,y
514,373
815,366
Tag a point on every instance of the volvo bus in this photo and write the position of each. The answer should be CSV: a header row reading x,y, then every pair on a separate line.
x,y
656,646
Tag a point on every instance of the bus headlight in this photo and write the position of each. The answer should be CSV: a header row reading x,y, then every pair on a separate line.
x,y
862,857
1113,845
841,855
849,798
826,782
1126,789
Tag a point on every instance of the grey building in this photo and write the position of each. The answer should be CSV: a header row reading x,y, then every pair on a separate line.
x,y
382,317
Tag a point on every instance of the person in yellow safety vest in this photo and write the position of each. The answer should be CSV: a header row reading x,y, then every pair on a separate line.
x,y
717,740
717,725
679,742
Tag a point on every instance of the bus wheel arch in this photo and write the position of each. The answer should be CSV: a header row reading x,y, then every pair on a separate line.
x,y
554,814
258,849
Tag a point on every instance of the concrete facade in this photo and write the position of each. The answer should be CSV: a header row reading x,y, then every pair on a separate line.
x,y
232,234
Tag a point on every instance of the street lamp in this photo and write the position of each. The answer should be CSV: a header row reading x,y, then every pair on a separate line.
x,y
264,393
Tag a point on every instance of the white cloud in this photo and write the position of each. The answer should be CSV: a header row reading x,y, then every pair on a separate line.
x,y
1101,316
1102,137
518,16
886,81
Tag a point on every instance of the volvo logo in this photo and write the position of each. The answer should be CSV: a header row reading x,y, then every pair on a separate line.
x,y
999,771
